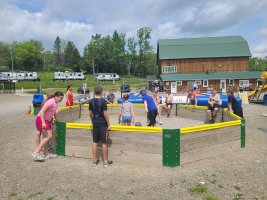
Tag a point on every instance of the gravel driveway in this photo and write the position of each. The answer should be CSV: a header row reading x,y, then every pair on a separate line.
x,y
236,175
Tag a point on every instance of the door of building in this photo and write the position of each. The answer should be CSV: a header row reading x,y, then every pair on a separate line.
x,y
223,86
173,87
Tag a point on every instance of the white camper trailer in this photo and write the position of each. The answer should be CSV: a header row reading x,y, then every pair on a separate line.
x,y
107,77
18,76
65,76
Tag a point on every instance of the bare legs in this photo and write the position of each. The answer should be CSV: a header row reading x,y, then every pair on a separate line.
x,y
213,114
46,137
104,151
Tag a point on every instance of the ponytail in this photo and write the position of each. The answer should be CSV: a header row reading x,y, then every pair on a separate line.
x,y
68,87
48,96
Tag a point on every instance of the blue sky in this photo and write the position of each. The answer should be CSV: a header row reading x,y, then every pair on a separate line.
x,y
78,20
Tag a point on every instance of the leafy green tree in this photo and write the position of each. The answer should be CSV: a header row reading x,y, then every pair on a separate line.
x,y
92,52
256,63
72,57
131,54
58,51
119,54
5,55
28,55
144,34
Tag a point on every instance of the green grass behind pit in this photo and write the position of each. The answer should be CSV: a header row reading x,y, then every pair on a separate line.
x,y
48,85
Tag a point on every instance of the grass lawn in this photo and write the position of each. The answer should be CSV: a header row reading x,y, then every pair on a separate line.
x,y
48,85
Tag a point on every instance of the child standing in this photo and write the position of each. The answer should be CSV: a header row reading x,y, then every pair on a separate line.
x,y
100,120
126,113
69,96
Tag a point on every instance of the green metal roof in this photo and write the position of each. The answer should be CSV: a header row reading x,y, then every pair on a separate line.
x,y
205,47
211,76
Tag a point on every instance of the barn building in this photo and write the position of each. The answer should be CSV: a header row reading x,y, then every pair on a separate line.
x,y
206,61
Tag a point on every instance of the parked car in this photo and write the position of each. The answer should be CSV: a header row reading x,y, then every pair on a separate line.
x,y
125,88
80,90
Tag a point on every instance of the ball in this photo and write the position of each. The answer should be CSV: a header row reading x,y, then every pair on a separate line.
x,y
138,124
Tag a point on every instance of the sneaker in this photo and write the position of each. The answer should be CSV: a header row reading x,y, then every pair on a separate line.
x,y
38,157
168,115
51,156
94,163
107,163
211,121
160,123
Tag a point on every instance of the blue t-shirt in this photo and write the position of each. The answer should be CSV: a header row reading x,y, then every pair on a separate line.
x,y
98,106
151,105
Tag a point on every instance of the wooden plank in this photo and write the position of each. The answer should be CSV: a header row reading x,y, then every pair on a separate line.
x,y
209,140
118,156
200,154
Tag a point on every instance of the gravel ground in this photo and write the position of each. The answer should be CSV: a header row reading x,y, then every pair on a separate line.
x,y
236,175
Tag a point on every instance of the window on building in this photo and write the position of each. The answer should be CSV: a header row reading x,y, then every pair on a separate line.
x,y
205,83
198,82
259,82
179,83
168,69
231,81
244,83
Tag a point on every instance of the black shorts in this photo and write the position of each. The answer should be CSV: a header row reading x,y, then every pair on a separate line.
x,y
169,104
192,102
239,112
215,105
151,116
100,134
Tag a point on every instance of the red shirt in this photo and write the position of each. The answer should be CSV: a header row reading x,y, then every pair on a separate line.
x,y
70,99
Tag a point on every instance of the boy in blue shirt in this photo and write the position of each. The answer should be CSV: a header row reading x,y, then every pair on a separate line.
x,y
150,108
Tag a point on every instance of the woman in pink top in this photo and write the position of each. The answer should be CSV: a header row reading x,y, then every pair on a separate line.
x,y
43,119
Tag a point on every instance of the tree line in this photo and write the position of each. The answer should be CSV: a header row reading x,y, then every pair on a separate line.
x,y
104,53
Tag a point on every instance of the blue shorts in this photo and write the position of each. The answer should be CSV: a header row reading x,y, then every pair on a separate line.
x,y
126,118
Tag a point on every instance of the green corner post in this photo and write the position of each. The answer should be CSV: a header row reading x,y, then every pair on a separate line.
x,y
171,147
243,133
61,138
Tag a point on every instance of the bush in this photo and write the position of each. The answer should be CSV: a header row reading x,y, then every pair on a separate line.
x,y
54,68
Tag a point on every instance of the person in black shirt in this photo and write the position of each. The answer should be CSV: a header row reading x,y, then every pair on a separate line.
x,y
233,105
100,120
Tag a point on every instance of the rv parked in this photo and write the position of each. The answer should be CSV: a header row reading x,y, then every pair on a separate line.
x,y
65,76
107,77
18,76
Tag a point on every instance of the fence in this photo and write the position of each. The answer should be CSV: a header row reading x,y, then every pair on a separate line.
x,y
154,145
7,87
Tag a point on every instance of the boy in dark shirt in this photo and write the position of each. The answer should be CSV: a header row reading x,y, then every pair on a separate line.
x,y
233,105
100,120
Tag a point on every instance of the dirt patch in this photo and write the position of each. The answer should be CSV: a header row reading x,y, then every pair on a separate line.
x,y
239,174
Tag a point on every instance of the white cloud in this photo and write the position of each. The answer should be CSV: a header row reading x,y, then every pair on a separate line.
x,y
78,20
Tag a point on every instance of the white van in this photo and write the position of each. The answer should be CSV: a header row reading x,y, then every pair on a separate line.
x,y
18,76
64,76
107,77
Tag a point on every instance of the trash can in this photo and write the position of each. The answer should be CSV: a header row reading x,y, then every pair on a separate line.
x,y
265,99
36,102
